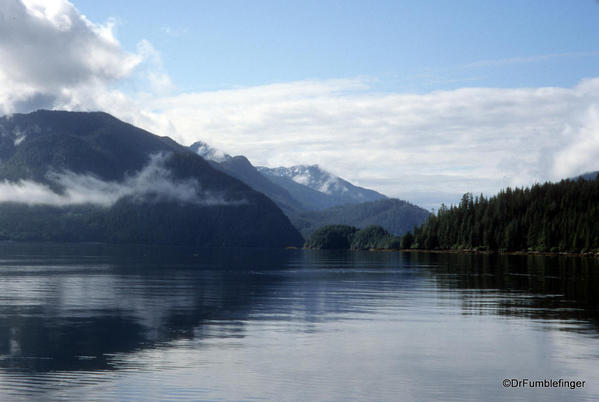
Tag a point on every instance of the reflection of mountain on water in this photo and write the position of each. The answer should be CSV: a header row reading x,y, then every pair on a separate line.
x,y
71,308
330,284
532,286
75,307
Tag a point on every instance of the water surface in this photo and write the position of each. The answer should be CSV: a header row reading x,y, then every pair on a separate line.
x,y
105,322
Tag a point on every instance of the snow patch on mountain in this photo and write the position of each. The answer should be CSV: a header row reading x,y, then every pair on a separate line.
x,y
318,179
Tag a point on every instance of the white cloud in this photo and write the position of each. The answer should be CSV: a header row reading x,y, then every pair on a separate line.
x,y
153,182
50,51
405,145
152,69
427,148
582,152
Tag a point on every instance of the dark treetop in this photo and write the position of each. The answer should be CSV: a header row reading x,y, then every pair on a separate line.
x,y
558,217
349,237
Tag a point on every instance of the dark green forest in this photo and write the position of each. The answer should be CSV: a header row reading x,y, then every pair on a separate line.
x,y
350,237
150,222
108,150
550,217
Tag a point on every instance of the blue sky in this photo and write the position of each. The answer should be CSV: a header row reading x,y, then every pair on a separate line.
x,y
404,45
420,100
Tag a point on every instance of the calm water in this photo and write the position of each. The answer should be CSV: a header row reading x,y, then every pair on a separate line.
x,y
121,323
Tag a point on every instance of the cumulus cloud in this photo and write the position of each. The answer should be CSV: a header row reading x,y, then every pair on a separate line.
x,y
53,57
49,50
153,183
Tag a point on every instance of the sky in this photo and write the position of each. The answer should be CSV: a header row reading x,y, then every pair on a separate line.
x,y
420,100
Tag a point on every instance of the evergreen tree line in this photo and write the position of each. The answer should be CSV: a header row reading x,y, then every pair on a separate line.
x,y
350,237
556,217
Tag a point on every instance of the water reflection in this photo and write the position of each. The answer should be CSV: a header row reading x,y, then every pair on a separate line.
x,y
531,286
76,307
72,308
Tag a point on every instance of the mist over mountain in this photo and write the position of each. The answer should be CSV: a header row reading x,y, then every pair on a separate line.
x,y
90,177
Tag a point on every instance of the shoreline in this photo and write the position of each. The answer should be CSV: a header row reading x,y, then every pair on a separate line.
x,y
489,252
468,251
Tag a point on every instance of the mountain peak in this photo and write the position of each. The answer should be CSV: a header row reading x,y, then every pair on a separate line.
x,y
307,185
208,152
309,175
319,179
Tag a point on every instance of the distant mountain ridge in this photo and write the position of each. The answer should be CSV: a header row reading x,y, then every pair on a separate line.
x,y
589,175
241,168
396,216
340,191
294,189
312,197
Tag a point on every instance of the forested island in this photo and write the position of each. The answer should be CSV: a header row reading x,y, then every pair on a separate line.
x,y
350,237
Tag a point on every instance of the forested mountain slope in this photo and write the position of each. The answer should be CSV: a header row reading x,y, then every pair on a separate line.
x,y
560,216
74,176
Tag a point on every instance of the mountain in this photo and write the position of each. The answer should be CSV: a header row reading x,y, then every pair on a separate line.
x,y
589,175
312,197
241,168
308,198
74,176
294,189
395,216
292,197
209,153
327,189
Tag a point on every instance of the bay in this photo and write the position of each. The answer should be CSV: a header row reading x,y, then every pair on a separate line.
x,y
101,322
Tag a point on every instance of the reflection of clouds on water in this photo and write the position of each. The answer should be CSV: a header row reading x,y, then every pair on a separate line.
x,y
82,308
360,324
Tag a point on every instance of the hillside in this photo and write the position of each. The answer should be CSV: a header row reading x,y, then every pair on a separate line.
x,y
295,189
395,216
312,197
309,198
90,177
241,168
549,217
